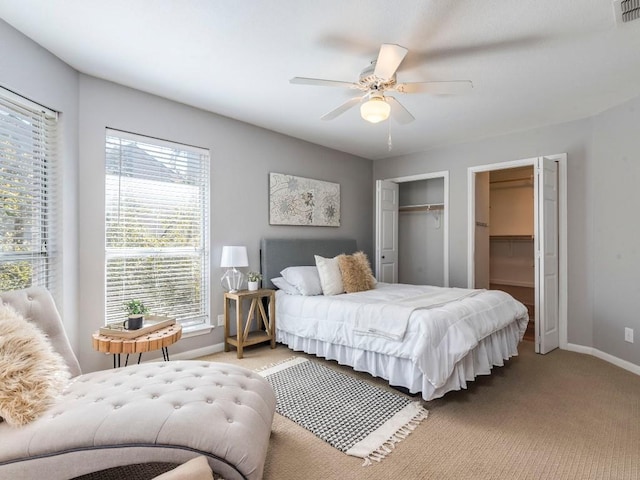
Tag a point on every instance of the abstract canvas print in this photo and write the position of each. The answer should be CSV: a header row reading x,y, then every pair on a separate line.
x,y
303,201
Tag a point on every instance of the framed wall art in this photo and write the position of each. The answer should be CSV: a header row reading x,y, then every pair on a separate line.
x,y
303,201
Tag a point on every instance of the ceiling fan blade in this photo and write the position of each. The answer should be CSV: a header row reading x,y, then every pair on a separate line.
x,y
438,88
341,109
399,112
389,59
322,82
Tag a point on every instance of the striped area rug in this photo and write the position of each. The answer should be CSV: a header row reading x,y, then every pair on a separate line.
x,y
351,415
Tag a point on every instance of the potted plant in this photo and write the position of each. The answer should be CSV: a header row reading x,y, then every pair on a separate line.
x,y
254,280
136,311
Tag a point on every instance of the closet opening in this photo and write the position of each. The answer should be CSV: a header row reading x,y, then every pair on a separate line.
x,y
412,229
506,259
517,227
420,232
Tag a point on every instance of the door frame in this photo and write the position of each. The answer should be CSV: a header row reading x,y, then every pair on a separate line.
x,y
562,228
445,214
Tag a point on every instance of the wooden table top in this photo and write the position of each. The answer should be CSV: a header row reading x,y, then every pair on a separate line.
x,y
144,343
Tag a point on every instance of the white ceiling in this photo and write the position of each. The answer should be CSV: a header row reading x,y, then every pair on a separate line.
x,y
532,62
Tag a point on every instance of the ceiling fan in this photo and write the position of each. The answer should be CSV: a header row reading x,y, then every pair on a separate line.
x,y
378,79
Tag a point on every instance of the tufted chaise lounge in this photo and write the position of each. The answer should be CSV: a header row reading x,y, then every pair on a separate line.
x,y
153,412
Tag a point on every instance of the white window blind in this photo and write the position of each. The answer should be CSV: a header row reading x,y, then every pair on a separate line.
x,y
157,197
28,138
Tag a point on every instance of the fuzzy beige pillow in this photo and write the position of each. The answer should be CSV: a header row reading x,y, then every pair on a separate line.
x,y
356,272
195,469
32,374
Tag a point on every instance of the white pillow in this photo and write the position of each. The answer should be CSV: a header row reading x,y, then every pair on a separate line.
x,y
285,286
330,276
305,279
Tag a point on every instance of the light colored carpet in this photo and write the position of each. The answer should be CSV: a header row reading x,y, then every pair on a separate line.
x,y
557,416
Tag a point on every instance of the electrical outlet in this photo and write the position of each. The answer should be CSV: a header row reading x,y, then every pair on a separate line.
x,y
221,320
628,334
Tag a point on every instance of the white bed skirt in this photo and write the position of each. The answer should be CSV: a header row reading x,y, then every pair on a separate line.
x,y
491,351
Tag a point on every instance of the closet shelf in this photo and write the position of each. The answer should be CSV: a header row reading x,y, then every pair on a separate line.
x,y
512,180
522,238
425,207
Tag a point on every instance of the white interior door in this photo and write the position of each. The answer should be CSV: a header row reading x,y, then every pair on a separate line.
x,y
547,265
387,202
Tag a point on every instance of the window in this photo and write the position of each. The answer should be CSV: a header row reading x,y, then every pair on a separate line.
x,y
27,194
157,197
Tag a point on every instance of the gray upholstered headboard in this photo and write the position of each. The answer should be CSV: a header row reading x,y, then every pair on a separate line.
x,y
276,254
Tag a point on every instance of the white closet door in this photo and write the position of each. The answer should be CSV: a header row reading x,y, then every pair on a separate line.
x,y
547,266
387,202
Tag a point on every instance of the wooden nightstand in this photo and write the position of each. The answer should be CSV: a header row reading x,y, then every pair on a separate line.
x,y
244,337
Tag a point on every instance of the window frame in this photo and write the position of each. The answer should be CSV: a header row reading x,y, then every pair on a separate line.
x,y
37,166
202,320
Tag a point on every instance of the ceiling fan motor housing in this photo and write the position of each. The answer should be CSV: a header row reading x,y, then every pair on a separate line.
x,y
372,83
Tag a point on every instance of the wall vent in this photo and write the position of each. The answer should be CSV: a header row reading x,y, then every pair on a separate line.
x,y
626,10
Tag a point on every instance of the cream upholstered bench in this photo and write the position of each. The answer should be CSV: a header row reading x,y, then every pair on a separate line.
x,y
154,412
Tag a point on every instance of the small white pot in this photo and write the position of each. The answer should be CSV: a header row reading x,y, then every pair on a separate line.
x,y
253,286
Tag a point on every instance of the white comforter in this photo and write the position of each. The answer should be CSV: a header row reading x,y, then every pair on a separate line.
x,y
435,338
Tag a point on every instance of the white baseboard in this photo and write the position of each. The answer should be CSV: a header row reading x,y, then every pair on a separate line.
x,y
631,367
198,352
572,347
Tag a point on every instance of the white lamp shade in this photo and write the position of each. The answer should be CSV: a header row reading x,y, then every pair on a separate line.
x,y
234,256
375,110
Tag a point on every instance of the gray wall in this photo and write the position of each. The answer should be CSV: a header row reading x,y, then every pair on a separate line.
x,y
31,71
614,199
242,156
603,173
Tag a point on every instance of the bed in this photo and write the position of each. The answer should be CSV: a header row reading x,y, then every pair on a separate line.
x,y
429,340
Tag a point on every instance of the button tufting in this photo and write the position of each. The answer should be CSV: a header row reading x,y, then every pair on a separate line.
x,y
115,407
229,420
154,397
177,407
188,389
209,400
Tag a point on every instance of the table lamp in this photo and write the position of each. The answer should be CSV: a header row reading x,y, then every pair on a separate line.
x,y
232,257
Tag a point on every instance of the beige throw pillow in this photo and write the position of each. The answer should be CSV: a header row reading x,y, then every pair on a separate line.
x,y
195,469
32,374
356,272
330,276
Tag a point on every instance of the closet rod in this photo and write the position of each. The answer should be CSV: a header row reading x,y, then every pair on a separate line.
x,y
421,208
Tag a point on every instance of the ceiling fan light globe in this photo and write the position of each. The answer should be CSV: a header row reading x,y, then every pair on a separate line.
x,y
375,110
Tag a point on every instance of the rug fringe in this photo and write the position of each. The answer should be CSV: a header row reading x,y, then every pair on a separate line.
x,y
403,432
